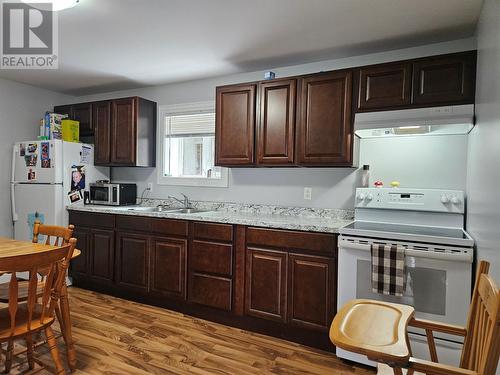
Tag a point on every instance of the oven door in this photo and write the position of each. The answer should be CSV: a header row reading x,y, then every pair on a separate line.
x,y
438,282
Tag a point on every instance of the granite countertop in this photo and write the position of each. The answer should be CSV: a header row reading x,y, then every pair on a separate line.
x,y
292,218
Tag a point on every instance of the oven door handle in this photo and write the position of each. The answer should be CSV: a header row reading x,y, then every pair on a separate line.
x,y
410,252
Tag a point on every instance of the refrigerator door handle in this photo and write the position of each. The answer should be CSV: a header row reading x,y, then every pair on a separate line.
x,y
13,200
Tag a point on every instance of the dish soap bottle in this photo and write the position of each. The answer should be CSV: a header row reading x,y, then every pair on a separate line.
x,y
365,177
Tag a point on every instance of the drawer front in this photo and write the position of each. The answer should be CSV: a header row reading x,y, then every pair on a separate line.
x,y
211,231
315,242
213,291
170,227
135,223
86,219
211,257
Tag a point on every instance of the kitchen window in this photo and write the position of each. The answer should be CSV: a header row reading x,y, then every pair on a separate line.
x,y
187,146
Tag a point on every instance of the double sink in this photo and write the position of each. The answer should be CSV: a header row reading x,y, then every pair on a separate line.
x,y
162,209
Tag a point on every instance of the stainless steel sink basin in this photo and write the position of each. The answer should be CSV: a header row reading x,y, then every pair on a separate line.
x,y
162,209
189,211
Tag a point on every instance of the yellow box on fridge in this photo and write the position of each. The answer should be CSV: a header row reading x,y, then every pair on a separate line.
x,y
70,130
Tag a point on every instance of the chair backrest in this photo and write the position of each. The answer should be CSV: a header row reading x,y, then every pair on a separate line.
x,y
55,235
482,343
56,262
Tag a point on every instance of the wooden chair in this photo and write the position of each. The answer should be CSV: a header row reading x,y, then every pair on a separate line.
x,y
379,331
20,320
58,236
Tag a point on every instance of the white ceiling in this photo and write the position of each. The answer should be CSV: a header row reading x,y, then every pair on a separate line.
x,y
107,45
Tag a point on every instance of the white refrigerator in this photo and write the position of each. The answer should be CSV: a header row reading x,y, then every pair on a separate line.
x,y
43,173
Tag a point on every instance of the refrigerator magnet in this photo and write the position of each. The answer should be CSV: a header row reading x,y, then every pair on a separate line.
x,y
78,177
75,196
30,160
32,148
31,174
45,151
46,163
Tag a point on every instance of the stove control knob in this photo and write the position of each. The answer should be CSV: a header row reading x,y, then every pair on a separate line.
x,y
369,197
455,200
361,196
444,199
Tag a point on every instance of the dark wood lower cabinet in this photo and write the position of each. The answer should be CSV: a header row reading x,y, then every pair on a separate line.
x,y
132,261
79,265
311,294
168,267
277,282
102,254
265,292
210,290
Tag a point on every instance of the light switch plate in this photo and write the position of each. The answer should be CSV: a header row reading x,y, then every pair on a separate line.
x,y
308,193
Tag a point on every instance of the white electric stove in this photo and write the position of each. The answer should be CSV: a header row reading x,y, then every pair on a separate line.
x,y
429,223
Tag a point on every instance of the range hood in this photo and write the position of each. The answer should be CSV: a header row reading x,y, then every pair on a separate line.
x,y
420,121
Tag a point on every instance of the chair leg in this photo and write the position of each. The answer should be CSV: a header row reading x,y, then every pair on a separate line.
x,y
8,356
54,352
66,327
29,351
397,371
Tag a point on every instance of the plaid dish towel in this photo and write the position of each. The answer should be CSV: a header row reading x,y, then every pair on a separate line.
x,y
388,265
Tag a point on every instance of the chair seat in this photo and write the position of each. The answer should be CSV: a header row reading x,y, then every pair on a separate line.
x,y
21,326
373,328
22,292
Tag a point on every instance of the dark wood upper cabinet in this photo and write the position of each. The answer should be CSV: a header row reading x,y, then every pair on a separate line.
x,y
276,124
383,86
235,125
265,285
168,267
312,291
64,110
83,113
102,125
124,131
132,261
448,79
324,135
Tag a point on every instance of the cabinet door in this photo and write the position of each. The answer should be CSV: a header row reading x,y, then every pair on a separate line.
x,y
276,127
384,86
79,265
123,131
168,267
444,80
83,113
265,289
235,125
102,254
102,123
324,136
312,288
64,110
132,261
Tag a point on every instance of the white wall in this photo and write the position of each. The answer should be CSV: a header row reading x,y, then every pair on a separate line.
x,y
21,108
332,187
483,219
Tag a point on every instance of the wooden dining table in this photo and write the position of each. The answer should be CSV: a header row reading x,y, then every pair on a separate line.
x,y
14,248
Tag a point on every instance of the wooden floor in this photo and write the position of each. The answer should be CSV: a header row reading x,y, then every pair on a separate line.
x,y
115,336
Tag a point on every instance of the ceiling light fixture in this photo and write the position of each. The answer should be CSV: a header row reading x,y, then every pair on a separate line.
x,y
57,5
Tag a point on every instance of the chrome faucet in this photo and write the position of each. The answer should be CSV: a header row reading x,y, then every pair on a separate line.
x,y
186,202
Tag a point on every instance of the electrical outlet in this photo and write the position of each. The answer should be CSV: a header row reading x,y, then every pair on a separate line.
x,y
150,186
308,193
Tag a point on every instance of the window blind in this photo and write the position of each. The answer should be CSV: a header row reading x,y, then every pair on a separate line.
x,y
184,125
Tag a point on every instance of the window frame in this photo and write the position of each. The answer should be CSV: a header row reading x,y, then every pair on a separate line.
x,y
184,109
